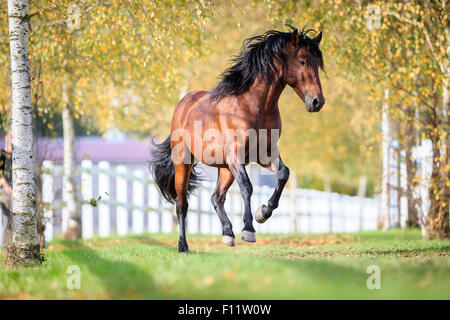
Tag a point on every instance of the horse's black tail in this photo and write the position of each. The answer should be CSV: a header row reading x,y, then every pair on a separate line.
x,y
163,172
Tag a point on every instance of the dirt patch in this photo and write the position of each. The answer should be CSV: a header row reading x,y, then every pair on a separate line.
x,y
308,241
207,243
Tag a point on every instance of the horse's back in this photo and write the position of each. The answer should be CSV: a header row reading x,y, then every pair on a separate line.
x,y
193,97
190,107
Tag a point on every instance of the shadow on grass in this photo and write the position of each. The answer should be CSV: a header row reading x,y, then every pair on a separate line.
x,y
327,279
276,278
120,279
147,239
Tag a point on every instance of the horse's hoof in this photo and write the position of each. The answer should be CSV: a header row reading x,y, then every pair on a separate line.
x,y
259,217
229,241
183,248
248,236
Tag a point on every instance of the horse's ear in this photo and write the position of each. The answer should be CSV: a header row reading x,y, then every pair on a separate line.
x,y
318,38
294,37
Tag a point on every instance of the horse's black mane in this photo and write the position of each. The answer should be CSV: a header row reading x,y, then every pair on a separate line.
x,y
261,55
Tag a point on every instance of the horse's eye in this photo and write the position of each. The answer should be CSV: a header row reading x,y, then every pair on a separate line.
x,y
302,62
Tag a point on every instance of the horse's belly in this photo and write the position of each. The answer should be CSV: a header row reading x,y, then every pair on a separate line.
x,y
216,148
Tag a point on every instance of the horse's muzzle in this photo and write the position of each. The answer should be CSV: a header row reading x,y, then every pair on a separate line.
x,y
314,103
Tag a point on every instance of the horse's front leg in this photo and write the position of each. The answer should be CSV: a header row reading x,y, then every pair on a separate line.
x,y
282,172
246,188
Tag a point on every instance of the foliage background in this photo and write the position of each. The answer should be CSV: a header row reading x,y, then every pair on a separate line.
x,y
131,60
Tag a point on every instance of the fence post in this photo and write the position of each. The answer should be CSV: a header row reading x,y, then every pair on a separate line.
x,y
330,212
87,211
240,212
199,211
361,196
138,202
155,203
307,211
64,212
47,198
122,195
205,220
293,202
104,215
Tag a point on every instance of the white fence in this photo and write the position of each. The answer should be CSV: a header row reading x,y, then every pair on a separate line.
x,y
396,182
117,199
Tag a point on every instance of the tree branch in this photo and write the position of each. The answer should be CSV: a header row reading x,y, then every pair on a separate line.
x,y
425,33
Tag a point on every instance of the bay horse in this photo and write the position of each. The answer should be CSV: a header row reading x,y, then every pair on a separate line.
x,y
240,117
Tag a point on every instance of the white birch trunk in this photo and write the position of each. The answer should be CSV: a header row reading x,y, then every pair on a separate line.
x,y
385,192
445,103
23,247
73,223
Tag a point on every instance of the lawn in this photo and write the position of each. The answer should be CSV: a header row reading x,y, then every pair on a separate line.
x,y
327,266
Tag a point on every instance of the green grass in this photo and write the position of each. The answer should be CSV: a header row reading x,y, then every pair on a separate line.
x,y
276,267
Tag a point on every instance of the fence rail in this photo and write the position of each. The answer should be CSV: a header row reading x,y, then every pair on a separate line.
x,y
119,199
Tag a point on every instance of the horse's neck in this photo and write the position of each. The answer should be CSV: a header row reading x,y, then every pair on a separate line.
x,y
267,95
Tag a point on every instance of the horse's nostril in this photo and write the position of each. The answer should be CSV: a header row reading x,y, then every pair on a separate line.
x,y
315,102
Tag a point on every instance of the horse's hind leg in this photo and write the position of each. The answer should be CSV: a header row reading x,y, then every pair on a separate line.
x,y
240,174
224,181
182,172
282,172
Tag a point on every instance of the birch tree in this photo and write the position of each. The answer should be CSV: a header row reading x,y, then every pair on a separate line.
x,y
73,228
23,247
